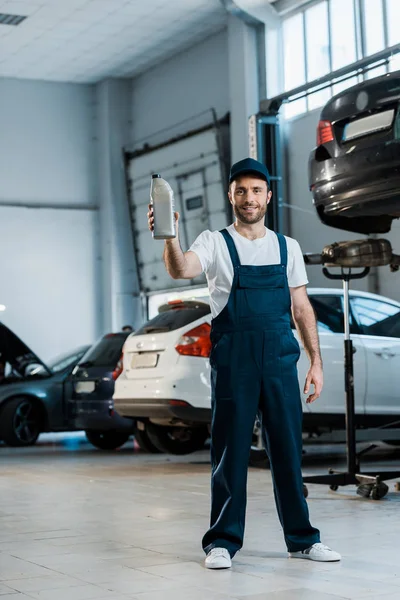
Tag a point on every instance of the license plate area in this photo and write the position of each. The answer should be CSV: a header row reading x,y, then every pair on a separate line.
x,y
144,360
368,125
85,387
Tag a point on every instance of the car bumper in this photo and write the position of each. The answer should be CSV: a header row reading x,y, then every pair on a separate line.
x,y
162,409
186,397
363,184
98,415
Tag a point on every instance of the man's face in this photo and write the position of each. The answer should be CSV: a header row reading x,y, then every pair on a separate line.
x,y
249,197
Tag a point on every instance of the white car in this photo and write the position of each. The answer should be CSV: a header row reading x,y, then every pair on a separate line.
x,y
165,382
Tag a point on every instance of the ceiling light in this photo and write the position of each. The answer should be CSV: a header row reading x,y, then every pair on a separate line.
x,y
2,308
6,19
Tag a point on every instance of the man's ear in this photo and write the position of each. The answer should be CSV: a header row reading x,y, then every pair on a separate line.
x,y
269,196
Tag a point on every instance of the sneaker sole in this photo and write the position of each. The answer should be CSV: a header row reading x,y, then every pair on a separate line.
x,y
217,566
307,557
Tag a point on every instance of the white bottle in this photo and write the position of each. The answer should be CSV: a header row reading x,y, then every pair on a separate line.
x,y
162,199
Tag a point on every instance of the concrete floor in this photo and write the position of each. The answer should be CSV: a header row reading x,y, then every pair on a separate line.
x,y
79,524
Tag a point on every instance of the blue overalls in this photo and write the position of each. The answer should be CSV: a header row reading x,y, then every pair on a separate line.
x,y
253,368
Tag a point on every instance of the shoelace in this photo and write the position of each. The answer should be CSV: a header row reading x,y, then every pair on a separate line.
x,y
320,546
219,551
317,547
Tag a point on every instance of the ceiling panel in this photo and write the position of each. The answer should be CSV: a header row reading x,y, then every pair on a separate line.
x,y
89,40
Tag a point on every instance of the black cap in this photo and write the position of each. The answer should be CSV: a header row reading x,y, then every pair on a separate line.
x,y
249,166
155,176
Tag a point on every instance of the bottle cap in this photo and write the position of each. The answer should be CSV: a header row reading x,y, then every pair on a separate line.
x,y
155,176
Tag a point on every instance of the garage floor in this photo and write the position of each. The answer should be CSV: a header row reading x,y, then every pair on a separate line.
x,y
77,524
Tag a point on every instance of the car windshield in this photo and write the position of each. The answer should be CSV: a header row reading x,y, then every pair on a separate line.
x,y
62,361
106,352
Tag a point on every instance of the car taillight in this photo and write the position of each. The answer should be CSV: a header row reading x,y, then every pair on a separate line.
x,y
195,342
324,133
119,368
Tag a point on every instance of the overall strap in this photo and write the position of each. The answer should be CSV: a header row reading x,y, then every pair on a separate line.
x,y
283,249
231,248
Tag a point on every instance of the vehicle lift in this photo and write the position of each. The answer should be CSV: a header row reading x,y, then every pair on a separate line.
x,y
347,255
264,145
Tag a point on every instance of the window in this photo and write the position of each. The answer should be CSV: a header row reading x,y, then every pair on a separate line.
x,y
65,360
329,313
394,64
376,72
106,352
317,41
376,317
373,26
174,318
318,99
294,108
344,85
293,40
393,20
331,34
343,33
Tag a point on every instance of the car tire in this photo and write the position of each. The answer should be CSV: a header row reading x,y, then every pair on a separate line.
x,y
20,422
107,440
144,443
177,440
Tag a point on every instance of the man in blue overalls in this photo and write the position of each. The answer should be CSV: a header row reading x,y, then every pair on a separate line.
x,y
256,278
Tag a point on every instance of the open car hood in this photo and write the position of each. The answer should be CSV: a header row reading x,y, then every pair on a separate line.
x,y
15,352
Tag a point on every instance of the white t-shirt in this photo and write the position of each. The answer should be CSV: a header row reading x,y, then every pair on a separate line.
x,y
214,256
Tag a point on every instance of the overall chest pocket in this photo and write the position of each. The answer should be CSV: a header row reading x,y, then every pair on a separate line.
x,y
260,278
257,282
261,290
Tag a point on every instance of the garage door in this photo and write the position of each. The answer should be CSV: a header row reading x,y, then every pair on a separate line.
x,y
193,167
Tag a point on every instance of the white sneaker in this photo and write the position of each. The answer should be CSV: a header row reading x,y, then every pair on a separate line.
x,y
218,558
318,552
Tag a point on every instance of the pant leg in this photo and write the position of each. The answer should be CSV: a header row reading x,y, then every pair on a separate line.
x,y
236,384
282,416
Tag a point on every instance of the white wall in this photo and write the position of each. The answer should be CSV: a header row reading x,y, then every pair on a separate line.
x,y
181,88
48,265
47,273
46,141
304,224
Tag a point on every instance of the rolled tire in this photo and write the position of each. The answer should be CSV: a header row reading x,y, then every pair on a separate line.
x,y
144,443
20,422
107,440
177,440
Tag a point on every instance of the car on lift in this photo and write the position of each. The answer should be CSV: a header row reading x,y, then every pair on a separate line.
x,y
354,171
91,404
165,382
33,394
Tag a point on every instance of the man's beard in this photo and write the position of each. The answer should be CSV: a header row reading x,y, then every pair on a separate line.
x,y
250,219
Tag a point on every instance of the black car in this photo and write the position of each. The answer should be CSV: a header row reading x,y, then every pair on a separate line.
x,y
91,404
33,395
354,172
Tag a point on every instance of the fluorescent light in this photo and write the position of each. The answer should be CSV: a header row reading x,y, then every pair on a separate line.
x,y
2,307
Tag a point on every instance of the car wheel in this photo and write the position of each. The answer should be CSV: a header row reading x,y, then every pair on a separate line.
x,y
143,440
177,440
20,422
107,440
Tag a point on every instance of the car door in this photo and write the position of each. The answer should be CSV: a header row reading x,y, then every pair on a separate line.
x,y
379,321
329,313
